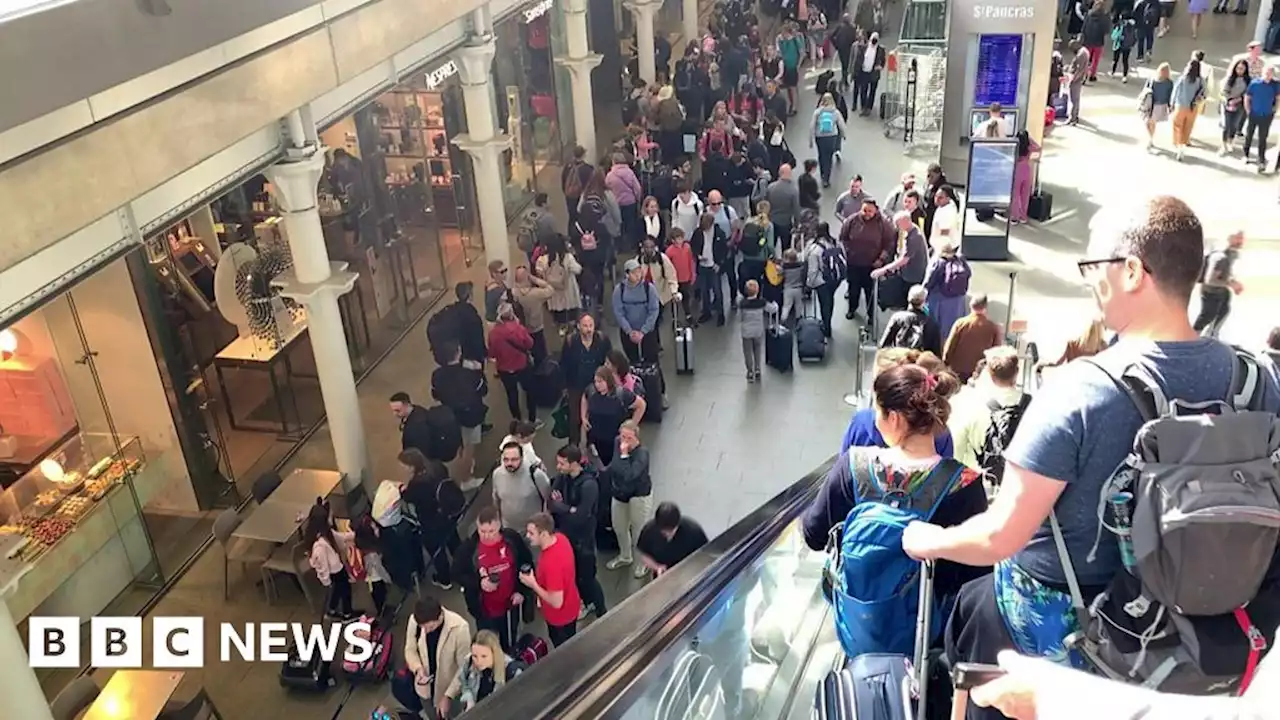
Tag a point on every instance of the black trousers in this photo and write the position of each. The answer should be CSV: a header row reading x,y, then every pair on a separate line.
x,y
379,592
1262,125
844,65
825,295
441,544
646,351
861,286
584,566
1120,57
976,633
539,351
505,626
561,634
1215,305
340,592
512,382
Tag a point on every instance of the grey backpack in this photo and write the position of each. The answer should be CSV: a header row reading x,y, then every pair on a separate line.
x,y
1195,509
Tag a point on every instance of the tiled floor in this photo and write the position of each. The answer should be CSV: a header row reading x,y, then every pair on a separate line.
x,y
726,446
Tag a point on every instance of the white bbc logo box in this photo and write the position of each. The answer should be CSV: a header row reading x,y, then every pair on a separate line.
x,y
116,642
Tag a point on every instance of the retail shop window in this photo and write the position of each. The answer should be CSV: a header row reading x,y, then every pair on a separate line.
x,y
87,448
525,96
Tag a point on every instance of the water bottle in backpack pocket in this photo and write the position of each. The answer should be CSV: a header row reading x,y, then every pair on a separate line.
x,y
873,584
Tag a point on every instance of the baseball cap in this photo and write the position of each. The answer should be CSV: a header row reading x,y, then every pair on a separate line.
x,y
631,264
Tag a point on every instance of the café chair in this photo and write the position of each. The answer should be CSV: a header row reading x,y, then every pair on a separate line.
x,y
245,552
265,485
75,698
199,707
288,560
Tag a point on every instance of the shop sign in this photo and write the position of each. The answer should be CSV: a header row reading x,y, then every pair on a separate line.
x,y
179,642
1003,12
436,77
537,11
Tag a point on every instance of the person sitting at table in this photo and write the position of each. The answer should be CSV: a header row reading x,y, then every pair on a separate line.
x,y
326,558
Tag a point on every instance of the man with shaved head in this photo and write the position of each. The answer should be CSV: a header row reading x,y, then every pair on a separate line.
x,y
1142,264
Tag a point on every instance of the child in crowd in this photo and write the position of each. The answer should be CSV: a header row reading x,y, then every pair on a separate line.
x,y
522,431
368,542
681,256
794,274
326,557
752,313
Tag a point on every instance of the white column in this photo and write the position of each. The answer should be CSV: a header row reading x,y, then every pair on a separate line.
x,y
645,10
689,21
484,143
580,61
19,686
316,284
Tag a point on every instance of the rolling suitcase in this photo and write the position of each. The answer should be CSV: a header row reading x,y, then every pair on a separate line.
x,y
883,686
684,346
779,343
650,375
811,344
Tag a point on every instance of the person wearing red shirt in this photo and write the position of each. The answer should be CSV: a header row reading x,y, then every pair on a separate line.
x,y
487,565
509,347
681,257
555,580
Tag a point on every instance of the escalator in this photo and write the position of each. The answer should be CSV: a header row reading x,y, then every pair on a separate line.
x,y
738,631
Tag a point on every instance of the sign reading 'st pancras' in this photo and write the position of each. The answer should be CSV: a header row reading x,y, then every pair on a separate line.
x,y
1003,12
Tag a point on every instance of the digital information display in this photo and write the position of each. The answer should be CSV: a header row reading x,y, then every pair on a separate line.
x,y
991,173
999,60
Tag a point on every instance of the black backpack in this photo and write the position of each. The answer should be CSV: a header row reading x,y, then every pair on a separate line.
x,y
446,434
1004,423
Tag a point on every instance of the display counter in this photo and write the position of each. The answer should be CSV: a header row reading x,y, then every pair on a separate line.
x,y
71,527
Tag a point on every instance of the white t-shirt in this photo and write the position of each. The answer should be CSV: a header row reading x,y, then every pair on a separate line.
x,y
653,226
685,215
946,217
869,58
708,256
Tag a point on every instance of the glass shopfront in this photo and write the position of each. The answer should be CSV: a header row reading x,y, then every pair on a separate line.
x,y
525,94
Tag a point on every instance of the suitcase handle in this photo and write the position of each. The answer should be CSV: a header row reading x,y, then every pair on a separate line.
x,y
924,622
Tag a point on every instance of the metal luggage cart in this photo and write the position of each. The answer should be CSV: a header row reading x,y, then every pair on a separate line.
x,y
913,97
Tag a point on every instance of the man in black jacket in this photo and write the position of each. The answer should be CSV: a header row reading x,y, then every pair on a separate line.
x,y
488,564
575,506
434,433
741,180
459,323
462,389
843,36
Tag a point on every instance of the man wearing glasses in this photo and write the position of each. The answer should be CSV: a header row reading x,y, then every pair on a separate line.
x,y
727,222
1142,266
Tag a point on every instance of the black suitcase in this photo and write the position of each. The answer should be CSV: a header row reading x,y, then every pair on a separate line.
x,y
779,348
547,384
314,674
650,375
1040,208
811,344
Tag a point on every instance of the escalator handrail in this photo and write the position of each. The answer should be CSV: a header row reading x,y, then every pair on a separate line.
x,y
594,672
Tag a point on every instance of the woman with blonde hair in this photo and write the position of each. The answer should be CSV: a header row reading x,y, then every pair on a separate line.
x,y
756,243
827,133
862,430
486,670
1090,342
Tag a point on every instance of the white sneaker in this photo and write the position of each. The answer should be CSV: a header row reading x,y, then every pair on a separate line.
x,y
640,572
618,562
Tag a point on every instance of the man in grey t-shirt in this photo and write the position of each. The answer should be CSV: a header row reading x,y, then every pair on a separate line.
x,y
520,491
1142,265
909,264
1078,72
1218,285
784,206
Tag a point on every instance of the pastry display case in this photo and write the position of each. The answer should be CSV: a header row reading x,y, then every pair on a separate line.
x,y
47,504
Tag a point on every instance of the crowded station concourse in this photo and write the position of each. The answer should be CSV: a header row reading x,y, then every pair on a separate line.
x,y
558,466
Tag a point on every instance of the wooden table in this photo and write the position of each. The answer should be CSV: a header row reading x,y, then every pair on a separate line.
x,y
135,695
303,486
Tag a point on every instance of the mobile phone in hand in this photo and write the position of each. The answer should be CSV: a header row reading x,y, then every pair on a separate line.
x,y
966,676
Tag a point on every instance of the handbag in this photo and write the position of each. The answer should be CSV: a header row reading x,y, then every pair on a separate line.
x,y
772,273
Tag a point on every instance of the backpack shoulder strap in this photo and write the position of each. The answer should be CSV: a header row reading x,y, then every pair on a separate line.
x,y
1141,388
1246,382
931,493
994,405
1069,570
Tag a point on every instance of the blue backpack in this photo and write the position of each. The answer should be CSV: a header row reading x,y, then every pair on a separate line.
x,y
827,122
874,585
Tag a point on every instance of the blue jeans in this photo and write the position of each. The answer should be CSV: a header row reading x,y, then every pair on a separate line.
x,y
710,291
1146,40
827,147
1272,39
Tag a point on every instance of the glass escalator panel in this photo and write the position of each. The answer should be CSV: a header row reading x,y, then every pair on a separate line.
x,y
728,634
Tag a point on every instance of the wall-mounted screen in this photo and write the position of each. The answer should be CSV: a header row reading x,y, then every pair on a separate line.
x,y
996,77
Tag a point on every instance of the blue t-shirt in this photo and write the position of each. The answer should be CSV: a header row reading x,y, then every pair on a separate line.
x,y
1080,428
1262,97
862,432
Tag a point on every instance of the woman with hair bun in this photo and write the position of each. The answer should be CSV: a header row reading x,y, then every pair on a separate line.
x,y
911,409
862,430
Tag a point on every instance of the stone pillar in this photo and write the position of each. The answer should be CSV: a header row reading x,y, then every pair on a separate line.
x,y
316,284
20,688
484,143
580,61
689,20
645,10
1260,27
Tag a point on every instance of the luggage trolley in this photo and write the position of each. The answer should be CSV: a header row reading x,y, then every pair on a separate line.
x,y
864,363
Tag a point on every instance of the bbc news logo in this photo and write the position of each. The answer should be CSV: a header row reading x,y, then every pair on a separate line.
x,y
179,642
